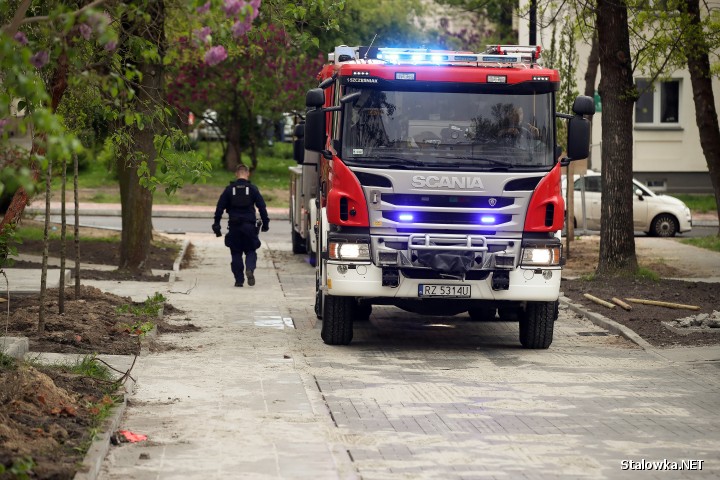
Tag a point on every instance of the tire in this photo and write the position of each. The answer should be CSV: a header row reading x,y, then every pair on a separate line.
x,y
536,327
482,314
337,327
362,312
318,301
298,244
664,225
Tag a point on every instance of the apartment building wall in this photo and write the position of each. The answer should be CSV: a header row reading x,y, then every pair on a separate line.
x,y
667,155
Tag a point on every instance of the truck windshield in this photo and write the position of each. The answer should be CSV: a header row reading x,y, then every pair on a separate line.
x,y
448,130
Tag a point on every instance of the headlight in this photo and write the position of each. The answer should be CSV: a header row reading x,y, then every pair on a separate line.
x,y
545,257
348,251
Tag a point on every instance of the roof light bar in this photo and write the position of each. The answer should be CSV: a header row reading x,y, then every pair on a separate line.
x,y
505,55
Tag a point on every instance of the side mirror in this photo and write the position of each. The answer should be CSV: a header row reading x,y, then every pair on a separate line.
x,y
327,82
639,193
315,98
350,97
578,138
299,143
315,130
583,105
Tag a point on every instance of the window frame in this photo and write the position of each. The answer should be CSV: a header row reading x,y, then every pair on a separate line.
x,y
657,94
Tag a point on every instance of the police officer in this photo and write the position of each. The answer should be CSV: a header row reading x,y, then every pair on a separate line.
x,y
239,199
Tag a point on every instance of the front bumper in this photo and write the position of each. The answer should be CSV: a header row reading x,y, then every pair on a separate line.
x,y
365,280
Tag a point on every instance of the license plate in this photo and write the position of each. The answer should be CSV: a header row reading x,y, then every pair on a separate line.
x,y
462,291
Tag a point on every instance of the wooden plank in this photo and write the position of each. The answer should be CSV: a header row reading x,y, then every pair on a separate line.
x,y
624,305
662,304
598,300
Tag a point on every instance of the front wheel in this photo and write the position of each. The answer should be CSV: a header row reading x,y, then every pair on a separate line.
x,y
664,225
337,327
536,327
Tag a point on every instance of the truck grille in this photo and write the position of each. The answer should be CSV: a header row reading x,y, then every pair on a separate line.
x,y
448,218
454,201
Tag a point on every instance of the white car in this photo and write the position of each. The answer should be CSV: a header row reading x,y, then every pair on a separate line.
x,y
657,215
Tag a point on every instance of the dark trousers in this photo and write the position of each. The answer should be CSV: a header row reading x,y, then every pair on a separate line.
x,y
237,266
242,239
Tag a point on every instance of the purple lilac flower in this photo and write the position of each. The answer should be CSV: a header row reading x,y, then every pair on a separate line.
x,y
240,28
232,7
215,55
110,46
85,31
40,59
203,9
99,20
255,4
21,38
203,34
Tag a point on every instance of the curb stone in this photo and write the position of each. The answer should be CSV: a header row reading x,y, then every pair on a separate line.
x,y
607,324
15,347
100,445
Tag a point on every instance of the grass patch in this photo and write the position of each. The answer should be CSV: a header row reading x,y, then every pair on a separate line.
x,y
21,468
85,366
271,174
33,233
647,274
7,362
709,242
698,203
149,308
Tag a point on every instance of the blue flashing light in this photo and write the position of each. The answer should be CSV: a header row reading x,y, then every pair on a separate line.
x,y
405,217
487,219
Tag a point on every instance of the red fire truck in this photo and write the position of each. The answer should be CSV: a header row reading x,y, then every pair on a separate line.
x,y
430,180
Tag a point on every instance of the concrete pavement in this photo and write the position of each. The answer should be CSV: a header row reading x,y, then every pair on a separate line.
x,y
228,401
255,394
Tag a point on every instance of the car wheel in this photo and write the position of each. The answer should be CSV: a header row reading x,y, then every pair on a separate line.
x,y
337,327
536,327
664,225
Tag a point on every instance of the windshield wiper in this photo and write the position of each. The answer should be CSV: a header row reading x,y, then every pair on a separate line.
x,y
488,160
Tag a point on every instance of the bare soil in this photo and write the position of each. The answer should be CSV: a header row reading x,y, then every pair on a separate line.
x,y
101,247
46,420
645,320
48,416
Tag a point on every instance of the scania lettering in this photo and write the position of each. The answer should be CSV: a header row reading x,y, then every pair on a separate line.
x,y
430,180
433,181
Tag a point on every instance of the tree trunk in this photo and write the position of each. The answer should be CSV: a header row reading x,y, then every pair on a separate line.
x,y
136,201
705,114
233,152
617,240
46,243
76,232
63,232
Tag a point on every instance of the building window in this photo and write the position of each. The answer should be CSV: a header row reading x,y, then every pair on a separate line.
x,y
658,104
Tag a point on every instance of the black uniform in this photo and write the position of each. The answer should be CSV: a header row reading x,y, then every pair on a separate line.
x,y
239,199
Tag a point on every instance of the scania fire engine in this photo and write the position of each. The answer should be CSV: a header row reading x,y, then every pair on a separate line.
x,y
430,180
